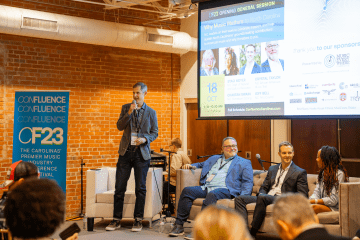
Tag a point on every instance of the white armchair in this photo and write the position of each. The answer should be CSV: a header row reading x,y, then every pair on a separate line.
x,y
100,186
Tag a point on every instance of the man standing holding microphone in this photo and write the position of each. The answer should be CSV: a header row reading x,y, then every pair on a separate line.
x,y
139,123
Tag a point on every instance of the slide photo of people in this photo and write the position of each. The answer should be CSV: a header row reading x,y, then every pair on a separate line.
x,y
250,59
272,61
209,62
228,61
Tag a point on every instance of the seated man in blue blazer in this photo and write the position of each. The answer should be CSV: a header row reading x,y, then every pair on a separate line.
x,y
222,177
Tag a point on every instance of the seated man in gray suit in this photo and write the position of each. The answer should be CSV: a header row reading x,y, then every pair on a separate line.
x,y
281,178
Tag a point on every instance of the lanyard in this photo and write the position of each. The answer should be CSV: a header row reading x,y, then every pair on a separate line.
x,y
137,122
221,166
280,175
136,119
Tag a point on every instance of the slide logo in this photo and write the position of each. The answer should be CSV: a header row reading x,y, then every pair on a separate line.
x,y
329,92
342,96
311,100
357,98
355,85
329,61
342,85
296,100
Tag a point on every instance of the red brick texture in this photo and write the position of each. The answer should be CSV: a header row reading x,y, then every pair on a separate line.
x,y
100,81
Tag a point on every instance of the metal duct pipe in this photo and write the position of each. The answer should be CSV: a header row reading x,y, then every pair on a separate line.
x,y
24,22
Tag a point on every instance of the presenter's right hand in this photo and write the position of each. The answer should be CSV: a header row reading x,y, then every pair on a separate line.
x,y
187,166
132,107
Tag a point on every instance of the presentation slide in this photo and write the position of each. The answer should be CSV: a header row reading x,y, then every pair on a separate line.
x,y
281,59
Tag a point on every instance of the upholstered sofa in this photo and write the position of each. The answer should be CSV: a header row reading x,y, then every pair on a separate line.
x,y
345,222
100,186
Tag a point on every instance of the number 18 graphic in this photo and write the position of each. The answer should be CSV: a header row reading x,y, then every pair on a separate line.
x,y
212,88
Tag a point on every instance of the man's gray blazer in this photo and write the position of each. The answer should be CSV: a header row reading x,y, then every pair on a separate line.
x,y
294,181
148,129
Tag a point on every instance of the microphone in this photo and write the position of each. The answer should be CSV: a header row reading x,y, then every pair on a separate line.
x,y
260,161
162,150
135,110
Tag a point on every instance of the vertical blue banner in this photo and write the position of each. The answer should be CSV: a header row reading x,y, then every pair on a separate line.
x,y
40,132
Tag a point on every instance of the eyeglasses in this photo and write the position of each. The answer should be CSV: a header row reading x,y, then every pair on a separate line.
x,y
273,46
230,146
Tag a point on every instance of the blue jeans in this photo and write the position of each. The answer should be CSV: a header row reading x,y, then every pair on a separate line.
x,y
123,170
189,194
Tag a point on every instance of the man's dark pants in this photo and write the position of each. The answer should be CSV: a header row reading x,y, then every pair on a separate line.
x,y
131,159
262,201
189,194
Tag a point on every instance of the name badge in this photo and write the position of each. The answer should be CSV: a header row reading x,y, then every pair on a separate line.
x,y
134,137
210,178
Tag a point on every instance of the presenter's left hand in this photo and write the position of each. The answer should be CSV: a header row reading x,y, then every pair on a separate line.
x,y
140,141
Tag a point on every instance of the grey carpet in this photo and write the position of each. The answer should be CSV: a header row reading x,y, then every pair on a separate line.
x,y
123,233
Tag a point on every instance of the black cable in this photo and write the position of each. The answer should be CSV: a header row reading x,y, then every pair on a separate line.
x,y
157,186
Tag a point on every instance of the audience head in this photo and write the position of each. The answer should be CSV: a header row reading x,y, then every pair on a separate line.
x,y
11,170
291,213
229,147
329,161
10,176
176,143
25,170
35,208
218,223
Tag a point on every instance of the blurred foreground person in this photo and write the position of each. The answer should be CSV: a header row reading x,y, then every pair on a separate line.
x,y
35,209
18,172
219,223
294,218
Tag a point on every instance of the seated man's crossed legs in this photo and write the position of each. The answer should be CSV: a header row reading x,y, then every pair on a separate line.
x,y
188,195
262,201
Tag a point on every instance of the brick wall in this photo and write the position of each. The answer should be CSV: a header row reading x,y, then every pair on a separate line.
x,y
100,81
